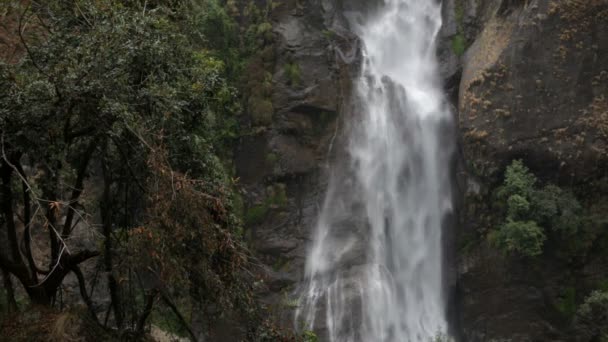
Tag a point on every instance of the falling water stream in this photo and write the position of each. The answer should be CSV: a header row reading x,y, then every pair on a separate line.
x,y
374,270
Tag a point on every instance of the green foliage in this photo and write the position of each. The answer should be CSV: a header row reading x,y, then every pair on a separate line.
x,y
519,233
261,110
292,72
459,12
289,303
517,207
328,34
459,40
256,214
518,181
137,100
218,31
277,195
546,202
258,54
458,44
309,336
264,30
522,237
570,217
591,320
440,337
566,304
531,212
558,209
276,198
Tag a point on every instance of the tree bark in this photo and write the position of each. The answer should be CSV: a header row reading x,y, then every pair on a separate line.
x,y
141,322
7,210
27,223
10,291
106,216
83,293
181,318
78,187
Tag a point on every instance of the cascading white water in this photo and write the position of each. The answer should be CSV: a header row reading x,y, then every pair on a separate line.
x,y
374,271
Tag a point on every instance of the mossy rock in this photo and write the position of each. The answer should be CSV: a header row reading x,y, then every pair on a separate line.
x,y
268,54
261,110
322,120
458,44
256,214
293,73
278,195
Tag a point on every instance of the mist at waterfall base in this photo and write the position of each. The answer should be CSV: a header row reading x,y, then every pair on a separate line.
x,y
374,269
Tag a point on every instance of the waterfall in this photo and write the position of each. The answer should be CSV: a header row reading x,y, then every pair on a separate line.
x,y
374,269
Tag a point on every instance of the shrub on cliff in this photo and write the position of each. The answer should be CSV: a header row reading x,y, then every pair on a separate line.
x,y
522,237
531,212
591,320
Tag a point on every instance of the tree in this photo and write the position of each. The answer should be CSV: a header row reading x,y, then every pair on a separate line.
x,y
591,320
124,98
530,212
523,237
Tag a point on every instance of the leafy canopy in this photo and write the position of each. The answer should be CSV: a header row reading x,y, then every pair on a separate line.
x,y
530,211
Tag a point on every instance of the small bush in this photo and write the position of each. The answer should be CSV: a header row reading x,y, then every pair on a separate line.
x,y
292,71
328,34
518,207
530,211
523,237
256,214
309,336
518,181
261,110
264,31
591,320
545,202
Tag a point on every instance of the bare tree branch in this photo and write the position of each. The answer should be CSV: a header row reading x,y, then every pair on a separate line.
x,y
78,187
181,318
83,293
141,322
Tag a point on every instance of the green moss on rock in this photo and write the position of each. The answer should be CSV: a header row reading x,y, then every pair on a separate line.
x,y
293,73
256,214
458,44
261,110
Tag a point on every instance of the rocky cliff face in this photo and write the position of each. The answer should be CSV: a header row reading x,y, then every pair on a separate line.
x,y
282,164
528,80
534,86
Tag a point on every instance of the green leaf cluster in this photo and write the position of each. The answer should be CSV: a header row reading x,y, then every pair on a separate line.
x,y
137,99
532,211
591,320
292,71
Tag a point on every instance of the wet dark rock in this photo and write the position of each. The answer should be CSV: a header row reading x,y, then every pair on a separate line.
x,y
533,87
532,83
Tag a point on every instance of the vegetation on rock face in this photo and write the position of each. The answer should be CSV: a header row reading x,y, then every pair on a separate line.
x,y
532,212
258,55
459,40
591,320
113,123
523,237
276,197
292,71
